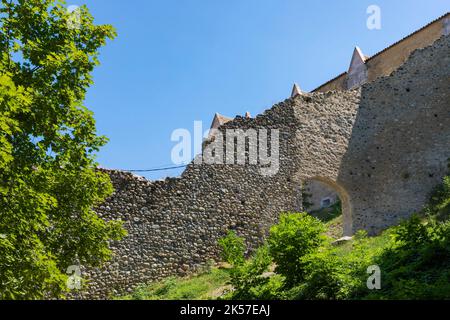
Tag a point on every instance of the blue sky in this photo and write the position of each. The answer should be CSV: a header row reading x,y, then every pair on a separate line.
x,y
178,61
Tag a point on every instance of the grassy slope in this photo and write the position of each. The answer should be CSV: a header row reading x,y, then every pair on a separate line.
x,y
204,286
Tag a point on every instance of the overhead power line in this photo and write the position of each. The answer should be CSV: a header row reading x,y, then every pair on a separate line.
x,y
157,169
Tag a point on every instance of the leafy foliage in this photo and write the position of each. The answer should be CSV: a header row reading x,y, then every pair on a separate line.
x,y
246,276
439,206
325,277
332,274
48,177
296,235
417,263
233,249
248,280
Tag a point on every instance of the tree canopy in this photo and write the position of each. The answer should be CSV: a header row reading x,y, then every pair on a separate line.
x,y
49,183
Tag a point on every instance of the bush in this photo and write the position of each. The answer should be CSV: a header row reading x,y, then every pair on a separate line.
x,y
233,249
247,278
331,274
439,205
296,235
323,273
411,232
414,259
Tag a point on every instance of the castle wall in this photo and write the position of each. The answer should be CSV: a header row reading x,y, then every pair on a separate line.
x,y
382,147
400,144
174,225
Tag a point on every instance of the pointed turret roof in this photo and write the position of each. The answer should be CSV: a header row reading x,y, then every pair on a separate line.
x,y
219,120
296,91
358,59
222,119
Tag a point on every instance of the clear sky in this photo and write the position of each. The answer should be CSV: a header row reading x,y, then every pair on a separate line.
x,y
177,61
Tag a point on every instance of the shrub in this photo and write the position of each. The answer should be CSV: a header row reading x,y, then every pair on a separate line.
x,y
323,276
414,259
439,205
233,249
411,232
247,276
248,280
332,274
272,289
296,235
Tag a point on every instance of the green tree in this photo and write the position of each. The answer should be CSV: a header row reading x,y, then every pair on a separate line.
x,y
48,178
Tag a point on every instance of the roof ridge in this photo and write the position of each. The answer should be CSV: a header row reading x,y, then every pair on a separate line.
x,y
409,35
387,48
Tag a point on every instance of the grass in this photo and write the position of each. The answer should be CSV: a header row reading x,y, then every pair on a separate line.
x,y
372,243
208,285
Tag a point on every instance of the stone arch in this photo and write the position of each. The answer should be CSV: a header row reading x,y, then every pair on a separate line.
x,y
347,214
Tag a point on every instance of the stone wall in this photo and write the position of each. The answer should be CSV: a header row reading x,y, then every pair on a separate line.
x,y
382,148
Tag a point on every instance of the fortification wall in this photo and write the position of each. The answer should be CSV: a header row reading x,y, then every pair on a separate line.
x,y
382,148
